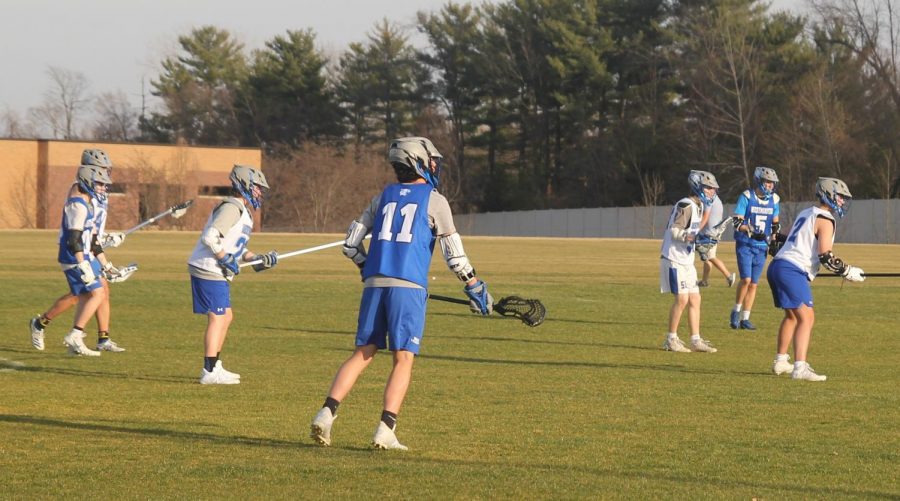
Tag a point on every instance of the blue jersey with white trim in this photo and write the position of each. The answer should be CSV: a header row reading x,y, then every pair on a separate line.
x,y
758,214
402,240
65,256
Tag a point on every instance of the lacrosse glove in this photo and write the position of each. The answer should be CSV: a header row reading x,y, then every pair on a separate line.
x,y
776,243
87,272
854,274
229,266
480,300
113,240
269,260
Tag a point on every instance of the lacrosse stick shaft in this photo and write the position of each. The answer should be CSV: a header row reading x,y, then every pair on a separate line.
x,y
448,299
301,251
159,216
867,275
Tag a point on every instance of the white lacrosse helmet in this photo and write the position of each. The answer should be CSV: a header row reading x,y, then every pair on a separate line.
x,y
415,153
828,189
89,176
699,179
244,178
763,174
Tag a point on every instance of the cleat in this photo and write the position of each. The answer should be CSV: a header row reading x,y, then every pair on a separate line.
x,y
676,345
806,373
731,279
702,283
320,429
109,345
216,377
75,341
702,345
735,319
386,439
37,333
780,367
221,368
747,325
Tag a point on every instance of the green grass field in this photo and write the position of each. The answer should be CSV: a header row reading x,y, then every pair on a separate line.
x,y
586,405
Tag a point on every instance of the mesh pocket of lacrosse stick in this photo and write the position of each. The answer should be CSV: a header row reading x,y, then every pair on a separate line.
x,y
530,311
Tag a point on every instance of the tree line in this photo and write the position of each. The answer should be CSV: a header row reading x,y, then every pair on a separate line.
x,y
548,103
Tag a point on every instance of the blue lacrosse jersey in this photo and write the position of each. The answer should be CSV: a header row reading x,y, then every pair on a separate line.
x,y
758,214
65,256
402,240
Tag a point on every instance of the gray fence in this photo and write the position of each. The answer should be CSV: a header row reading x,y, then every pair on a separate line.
x,y
868,221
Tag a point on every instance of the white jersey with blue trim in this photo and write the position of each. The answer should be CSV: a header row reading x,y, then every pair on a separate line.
x,y
234,241
686,215
77,215
100,211
802,246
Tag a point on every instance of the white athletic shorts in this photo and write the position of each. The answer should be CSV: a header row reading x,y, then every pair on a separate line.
x,y
677,278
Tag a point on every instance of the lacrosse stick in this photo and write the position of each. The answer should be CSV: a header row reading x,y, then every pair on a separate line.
x,y
530,311
299,252
124,274
176,211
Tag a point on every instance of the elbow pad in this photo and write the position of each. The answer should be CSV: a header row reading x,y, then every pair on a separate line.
x,y
73,241
832,263
455,255
96,248
212,239
353,247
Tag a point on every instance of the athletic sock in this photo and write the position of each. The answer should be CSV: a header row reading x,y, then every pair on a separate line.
x,y
737,307
389,418
102,337
332,405
745,315
781,357
78,328
209,363
44,321
673,335
695,337
799,364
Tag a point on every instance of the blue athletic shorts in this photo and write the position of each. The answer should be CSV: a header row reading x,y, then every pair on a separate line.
x,y
210,296
392,316
790,285
77,286
750,261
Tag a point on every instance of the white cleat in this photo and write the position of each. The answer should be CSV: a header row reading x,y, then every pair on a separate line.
x,y
217,377
386,439
37,333
731,279
702,345
221,368
320,429
806,373
676,345
75,341
109,345
780,367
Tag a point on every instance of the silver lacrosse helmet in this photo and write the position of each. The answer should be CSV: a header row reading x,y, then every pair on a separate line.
x,y
415,153
763,174
89,176
835,194
244,178
699,179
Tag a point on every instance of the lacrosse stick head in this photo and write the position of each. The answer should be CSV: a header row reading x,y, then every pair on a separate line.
x,y
180,209
530,311
124,274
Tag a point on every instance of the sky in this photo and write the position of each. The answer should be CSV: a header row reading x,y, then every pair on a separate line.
x,y
117,44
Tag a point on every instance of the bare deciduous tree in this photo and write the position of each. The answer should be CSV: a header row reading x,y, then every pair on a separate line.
x,y
63,102
117,119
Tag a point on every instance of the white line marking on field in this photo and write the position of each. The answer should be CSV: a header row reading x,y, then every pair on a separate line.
x,y
7,365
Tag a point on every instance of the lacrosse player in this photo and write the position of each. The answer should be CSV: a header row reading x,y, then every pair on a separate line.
x,y
755,220
711,230
100,240
677,274
405,219
214,263
808,246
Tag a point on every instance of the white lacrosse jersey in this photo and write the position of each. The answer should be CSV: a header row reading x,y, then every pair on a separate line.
x,y
100,210
802,246
686,214
233,242
716,212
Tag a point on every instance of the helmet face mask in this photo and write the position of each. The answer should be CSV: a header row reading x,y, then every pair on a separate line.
x,y
699,181
93,180
250,182
417,153
835,194
762,176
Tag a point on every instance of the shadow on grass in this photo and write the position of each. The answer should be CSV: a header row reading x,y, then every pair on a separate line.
x,y
21,367
154,432
549,319
546,341
311,331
